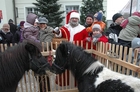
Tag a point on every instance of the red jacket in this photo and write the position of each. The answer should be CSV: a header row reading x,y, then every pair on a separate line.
x,y
80,36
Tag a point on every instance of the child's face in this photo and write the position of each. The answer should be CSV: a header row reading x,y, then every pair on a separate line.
x,y
96,31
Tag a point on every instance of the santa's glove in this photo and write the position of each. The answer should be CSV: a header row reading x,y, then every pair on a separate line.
x,y
95,40
88,39
56,30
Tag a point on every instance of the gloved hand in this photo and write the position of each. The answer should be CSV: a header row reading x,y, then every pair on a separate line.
x,y
56,30
0,38
95,40
88,39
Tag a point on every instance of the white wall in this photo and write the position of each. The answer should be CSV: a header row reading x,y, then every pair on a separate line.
x,y
22,4
7,11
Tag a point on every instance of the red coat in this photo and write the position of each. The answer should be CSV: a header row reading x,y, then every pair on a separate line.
x,y
103,39
80,36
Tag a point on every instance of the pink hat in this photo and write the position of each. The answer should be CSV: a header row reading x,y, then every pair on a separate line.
x,y
136,13
22,23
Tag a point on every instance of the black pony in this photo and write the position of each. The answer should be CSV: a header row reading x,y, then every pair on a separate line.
x,y
16,60
92,76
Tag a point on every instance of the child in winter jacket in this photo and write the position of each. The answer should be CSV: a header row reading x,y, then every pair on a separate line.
x,y
30,31
97,35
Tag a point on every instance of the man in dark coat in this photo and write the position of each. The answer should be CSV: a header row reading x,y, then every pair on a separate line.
x,y
114,30
13,27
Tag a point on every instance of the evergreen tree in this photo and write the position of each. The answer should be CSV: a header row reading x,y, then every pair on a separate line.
x,y
50,10
90,7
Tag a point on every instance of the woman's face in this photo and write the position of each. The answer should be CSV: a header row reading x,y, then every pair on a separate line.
x,y
6,30
89,20
42,25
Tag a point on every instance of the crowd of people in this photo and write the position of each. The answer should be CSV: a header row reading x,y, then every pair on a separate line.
x,y
120,32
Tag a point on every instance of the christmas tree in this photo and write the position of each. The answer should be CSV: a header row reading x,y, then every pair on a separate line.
x,y
91,7
50,10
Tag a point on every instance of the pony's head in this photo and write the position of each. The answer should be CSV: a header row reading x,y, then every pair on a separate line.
x,y
61,60
38,63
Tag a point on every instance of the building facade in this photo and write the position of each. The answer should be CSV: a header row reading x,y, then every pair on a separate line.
x,y
23,7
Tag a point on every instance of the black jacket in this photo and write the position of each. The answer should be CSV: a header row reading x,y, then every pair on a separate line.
x,y
113,32
6,38
13,28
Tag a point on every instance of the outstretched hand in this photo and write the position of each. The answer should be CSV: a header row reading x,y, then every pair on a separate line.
x,y
88,39
56,30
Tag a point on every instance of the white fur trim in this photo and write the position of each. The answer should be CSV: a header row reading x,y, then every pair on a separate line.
x,y
75,15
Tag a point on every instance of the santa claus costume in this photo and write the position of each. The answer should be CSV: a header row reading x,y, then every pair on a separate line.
x,y
77,34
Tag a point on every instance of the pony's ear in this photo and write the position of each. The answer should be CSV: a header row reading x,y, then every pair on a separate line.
x,y
29,47
64,48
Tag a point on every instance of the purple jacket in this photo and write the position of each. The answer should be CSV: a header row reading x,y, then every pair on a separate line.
x,y
30,31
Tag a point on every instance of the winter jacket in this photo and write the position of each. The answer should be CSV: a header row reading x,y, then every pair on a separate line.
x,y
13,28
131,30
6,38
101,23
30,31
46,35
113,32
17,36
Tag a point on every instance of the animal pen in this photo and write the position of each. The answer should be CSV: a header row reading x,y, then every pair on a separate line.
x,y
116,58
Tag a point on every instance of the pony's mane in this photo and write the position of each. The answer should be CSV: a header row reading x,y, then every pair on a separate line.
x,y
80,60
13,63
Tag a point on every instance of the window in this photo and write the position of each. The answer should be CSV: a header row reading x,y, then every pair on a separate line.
x,y
72,7
32,10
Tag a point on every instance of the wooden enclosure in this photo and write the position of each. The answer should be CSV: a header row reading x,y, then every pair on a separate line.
x,y
116,58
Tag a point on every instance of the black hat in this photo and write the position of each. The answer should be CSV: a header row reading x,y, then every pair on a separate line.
x,y
116,16
89,15
10,21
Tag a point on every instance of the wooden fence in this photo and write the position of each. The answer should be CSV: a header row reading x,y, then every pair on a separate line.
x,y
116,58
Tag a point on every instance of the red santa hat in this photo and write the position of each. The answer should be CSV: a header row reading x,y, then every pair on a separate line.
x,y
71,14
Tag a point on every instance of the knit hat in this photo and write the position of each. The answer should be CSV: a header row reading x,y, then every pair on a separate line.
x,y
89,15
75,15
97,26
135,43
99,15
10,21
136,13
6,26
116,16
22,23
42,20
